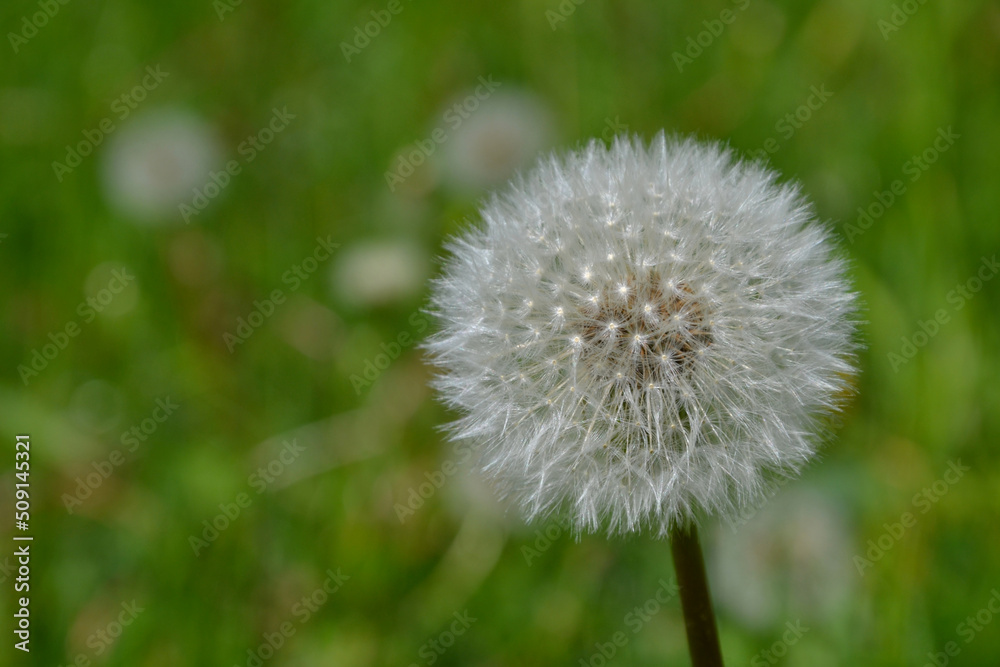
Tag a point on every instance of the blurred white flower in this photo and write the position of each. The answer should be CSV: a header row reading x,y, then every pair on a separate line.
x,y
792,560
379,272
155,161
641,334
503,135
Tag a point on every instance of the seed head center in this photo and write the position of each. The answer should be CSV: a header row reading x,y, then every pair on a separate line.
x,y
651,329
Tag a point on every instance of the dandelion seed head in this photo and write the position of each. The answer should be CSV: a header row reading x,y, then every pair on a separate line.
x,y
700,339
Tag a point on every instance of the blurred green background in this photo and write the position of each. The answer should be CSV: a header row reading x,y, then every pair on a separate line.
x,y
159,398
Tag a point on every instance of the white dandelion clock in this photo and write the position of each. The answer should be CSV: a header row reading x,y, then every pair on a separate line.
x,y
155,163
501,136
375,273
638,336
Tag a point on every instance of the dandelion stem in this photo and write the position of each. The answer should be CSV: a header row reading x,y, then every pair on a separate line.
x,y
699,619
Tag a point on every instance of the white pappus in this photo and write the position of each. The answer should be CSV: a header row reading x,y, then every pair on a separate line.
x,y
639,335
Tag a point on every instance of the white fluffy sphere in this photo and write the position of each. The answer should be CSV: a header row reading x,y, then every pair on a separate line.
x,y
639,335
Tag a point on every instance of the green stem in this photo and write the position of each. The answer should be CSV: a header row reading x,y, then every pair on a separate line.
x,y
699,620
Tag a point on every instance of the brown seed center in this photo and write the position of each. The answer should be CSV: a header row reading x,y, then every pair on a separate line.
x,y
653,328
